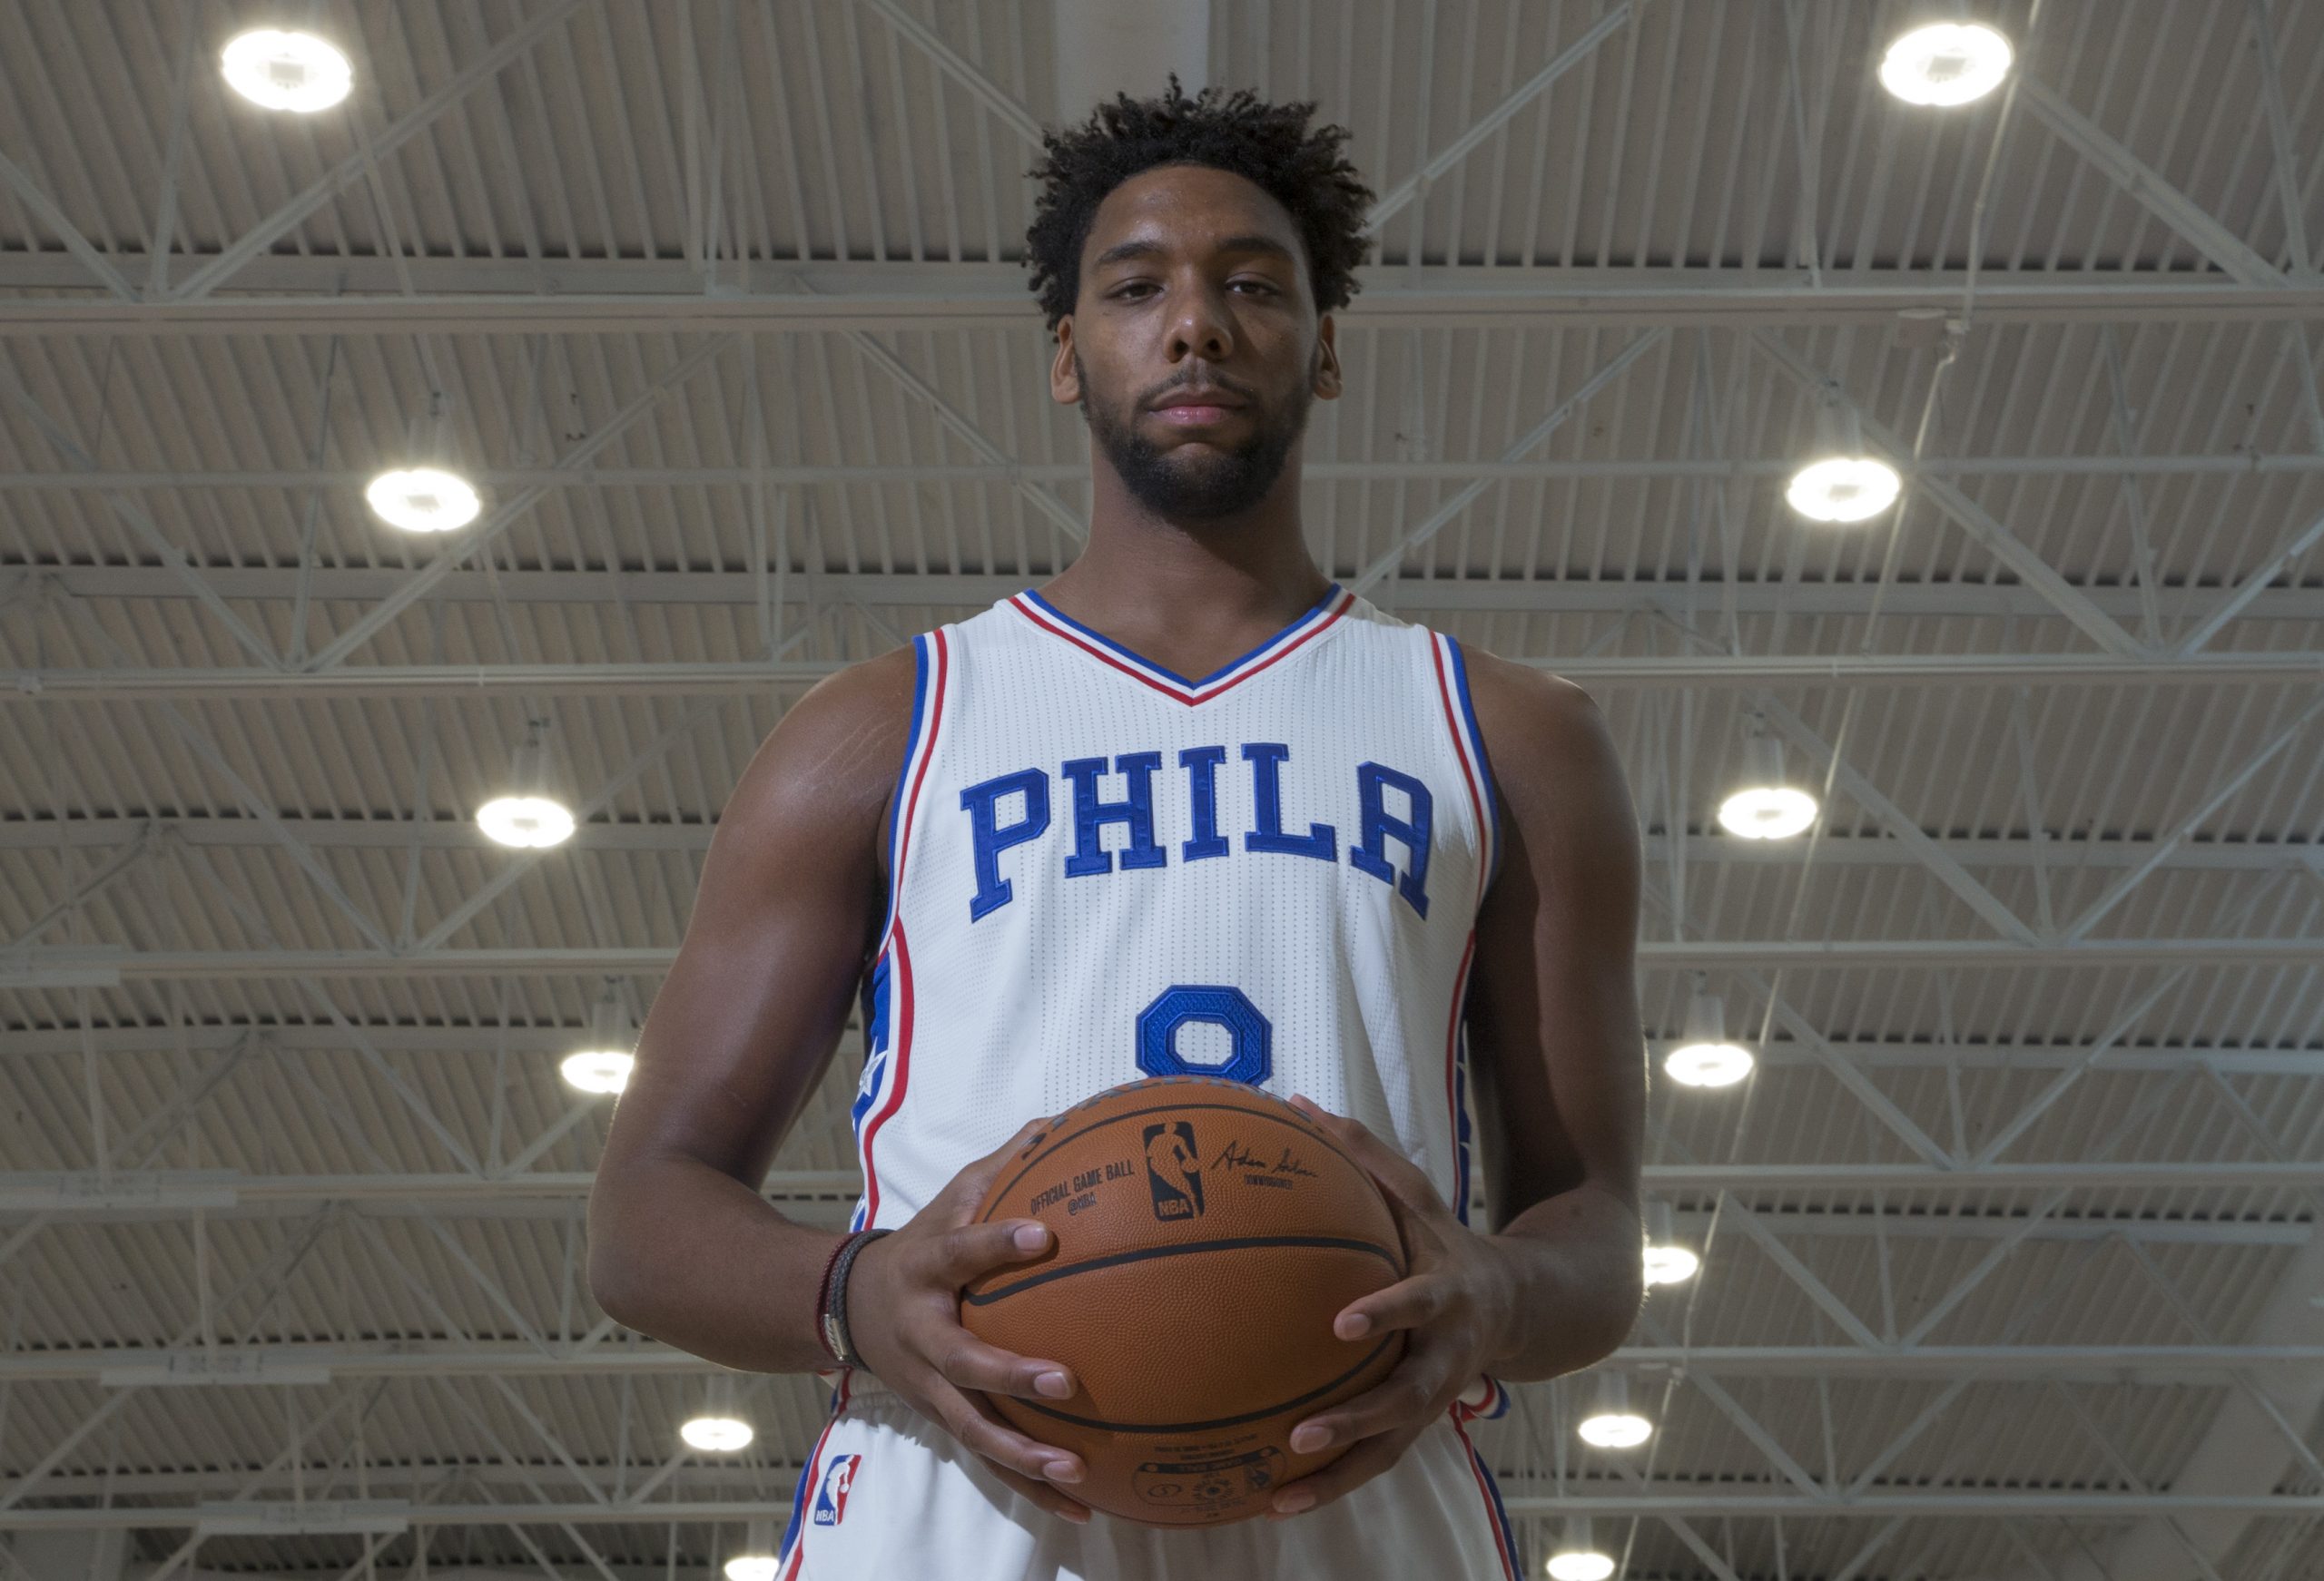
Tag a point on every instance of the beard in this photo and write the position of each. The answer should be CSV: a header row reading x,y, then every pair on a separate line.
x,y
1190,482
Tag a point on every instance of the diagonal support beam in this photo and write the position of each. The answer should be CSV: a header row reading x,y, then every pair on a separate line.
x,y
1803,1276
2166,202
2252,586
644,758
1892,817
1385,565
349,171
1972,518
133,517
508,515
2187,826
1043,500
949,61
1412,185
45,211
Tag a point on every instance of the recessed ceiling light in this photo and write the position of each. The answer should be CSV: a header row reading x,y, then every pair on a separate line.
x,y
1767,813
1844,488
1615,1431
1709,1064
424,499
597,1070
528,821
1670,1264
719,1434
1945,64
1580,1565
286,70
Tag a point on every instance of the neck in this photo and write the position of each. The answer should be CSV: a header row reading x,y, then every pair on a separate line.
x,y
1225,573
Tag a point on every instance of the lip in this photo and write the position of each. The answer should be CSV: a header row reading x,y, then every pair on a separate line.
x,y
1201,416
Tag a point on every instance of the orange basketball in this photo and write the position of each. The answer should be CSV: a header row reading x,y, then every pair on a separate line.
x,y
1206,1234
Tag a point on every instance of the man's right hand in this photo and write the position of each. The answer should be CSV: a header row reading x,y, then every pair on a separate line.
x,y
903,1315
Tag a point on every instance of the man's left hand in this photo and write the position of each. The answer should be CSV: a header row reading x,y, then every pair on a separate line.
x,y
1455,1304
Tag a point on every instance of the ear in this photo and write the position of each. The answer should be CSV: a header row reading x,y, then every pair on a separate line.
x,y
1065,386
1326,382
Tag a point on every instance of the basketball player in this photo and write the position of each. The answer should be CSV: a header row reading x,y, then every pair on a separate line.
x,y
1190,784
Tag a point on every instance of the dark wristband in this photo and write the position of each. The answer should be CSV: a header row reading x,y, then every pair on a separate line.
x,y
835,1330
823,1295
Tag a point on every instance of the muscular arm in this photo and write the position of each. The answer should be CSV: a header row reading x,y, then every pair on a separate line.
x,y
682,1247
1555,1022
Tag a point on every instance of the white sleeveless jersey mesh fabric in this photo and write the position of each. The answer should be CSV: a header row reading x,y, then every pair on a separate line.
x,y
1307,946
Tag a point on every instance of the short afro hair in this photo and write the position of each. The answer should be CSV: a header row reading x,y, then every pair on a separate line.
x,y
1270,144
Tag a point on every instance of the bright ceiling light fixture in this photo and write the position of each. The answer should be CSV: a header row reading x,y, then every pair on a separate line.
x,y
1945,64
1670,1264
1764,807
1577,1559
720,1435
1704,1058
750,1568
424,499
286,70
1613,1425
527,816
1844,488
605,1065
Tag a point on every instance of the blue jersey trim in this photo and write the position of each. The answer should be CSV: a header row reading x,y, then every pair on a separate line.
x,y
1296,626
903,775
1484,765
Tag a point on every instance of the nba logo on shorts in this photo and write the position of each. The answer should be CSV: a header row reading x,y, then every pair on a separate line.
x,y
1174,1169
831,1499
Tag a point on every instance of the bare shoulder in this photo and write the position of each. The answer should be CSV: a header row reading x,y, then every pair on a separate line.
x,y
832,759
1539,728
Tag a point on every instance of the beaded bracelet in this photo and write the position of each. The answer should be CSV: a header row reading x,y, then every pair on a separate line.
x,y
835,1333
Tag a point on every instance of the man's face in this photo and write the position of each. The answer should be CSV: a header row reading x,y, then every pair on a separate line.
x,y
1194,278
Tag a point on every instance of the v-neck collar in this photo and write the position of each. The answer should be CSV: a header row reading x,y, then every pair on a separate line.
x,y
1319,617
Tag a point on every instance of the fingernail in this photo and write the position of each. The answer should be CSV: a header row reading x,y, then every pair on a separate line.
x,y
1055,1385
1308,1439
1352,1325
1033,1237
1061,1471
1293,1502
1076,1515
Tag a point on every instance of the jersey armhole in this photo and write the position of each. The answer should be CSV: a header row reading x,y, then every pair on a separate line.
x,y
1475,741
930,656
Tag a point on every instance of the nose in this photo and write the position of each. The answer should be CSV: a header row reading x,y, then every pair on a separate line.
x,y
1199,327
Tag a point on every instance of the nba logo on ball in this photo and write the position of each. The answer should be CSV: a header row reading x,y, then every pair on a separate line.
x,y
830,1499
1174,1169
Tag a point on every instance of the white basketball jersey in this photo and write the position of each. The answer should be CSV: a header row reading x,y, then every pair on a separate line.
x,y
1100,870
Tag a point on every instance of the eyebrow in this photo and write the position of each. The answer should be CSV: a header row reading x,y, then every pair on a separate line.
x,y
1120,251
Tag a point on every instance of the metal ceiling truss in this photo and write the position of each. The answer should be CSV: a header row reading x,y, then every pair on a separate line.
x,y
1969,1198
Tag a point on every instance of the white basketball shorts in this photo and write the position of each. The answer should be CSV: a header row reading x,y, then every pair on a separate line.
x,y
888,1494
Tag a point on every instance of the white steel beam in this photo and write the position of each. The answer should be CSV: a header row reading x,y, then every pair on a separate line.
x,y
413,121
470,540
1393,200
83,1194
978,590
2100,850
45,210
325,295
105,966
481,1041
1521,1496
2268,463
1972,518
644,678
2143,182
309,1364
